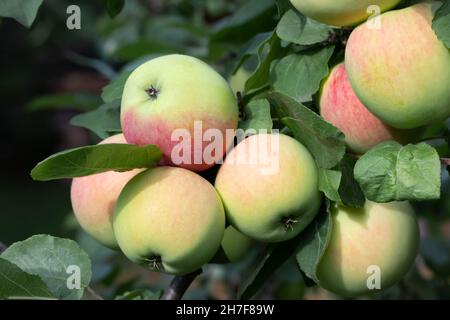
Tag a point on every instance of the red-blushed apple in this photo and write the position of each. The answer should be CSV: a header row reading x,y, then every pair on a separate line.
x,y
171,102
94,197
169,220
370,249
401,70
269,186
340,106
342,12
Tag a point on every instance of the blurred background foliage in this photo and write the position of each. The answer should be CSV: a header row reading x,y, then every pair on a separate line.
x,y
50,74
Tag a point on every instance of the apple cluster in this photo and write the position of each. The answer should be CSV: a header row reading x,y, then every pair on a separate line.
x,y
171,219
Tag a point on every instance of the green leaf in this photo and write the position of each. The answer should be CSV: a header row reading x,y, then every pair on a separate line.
x,y
324,141
349,190
24,11
329,181
51,259
140,294
114,90
299,75
251,48
114,7
77,101
313,242
99,158
392,172
103,121
17,284
257,116
247,19
267,53
296,28
441,23
272,258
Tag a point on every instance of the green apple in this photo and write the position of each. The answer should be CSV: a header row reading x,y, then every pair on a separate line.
x,y
379,240
94,197
173,95
342,12
237,81
401,70
235,245
170,220
269,186
340,106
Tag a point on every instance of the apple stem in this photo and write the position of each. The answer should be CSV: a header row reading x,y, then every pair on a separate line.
x,y
179,285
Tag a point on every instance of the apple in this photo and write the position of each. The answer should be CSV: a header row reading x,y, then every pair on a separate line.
x,y
381,239
94,197
269,187
340,106
235,245
341,12
237,81
169,219
172,93
401,70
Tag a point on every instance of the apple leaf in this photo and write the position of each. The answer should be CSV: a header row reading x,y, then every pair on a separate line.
x,y
392,172
114,7
313,242
296,28
329,181
103,121
299,75
257,116
323,140
60,263
23,11
17,284
114,90
77,101
267,53
90,160
250,49
441,23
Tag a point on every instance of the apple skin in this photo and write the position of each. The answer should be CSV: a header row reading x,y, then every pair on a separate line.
x,y
237,81
94,197
401,71
235,245
340,12
188,90
275,205
340,106
169,220
385,235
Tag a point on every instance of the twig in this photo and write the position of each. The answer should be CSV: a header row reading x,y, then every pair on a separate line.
x,y
93,293
179,285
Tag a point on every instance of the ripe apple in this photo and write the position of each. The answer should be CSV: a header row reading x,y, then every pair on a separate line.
x,y
94,197
341,107
401,70
380,238
170,220
341,12
269,186
176,92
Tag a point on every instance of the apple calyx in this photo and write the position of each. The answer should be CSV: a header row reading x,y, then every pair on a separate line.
x,y
155,263
289,223
152,92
